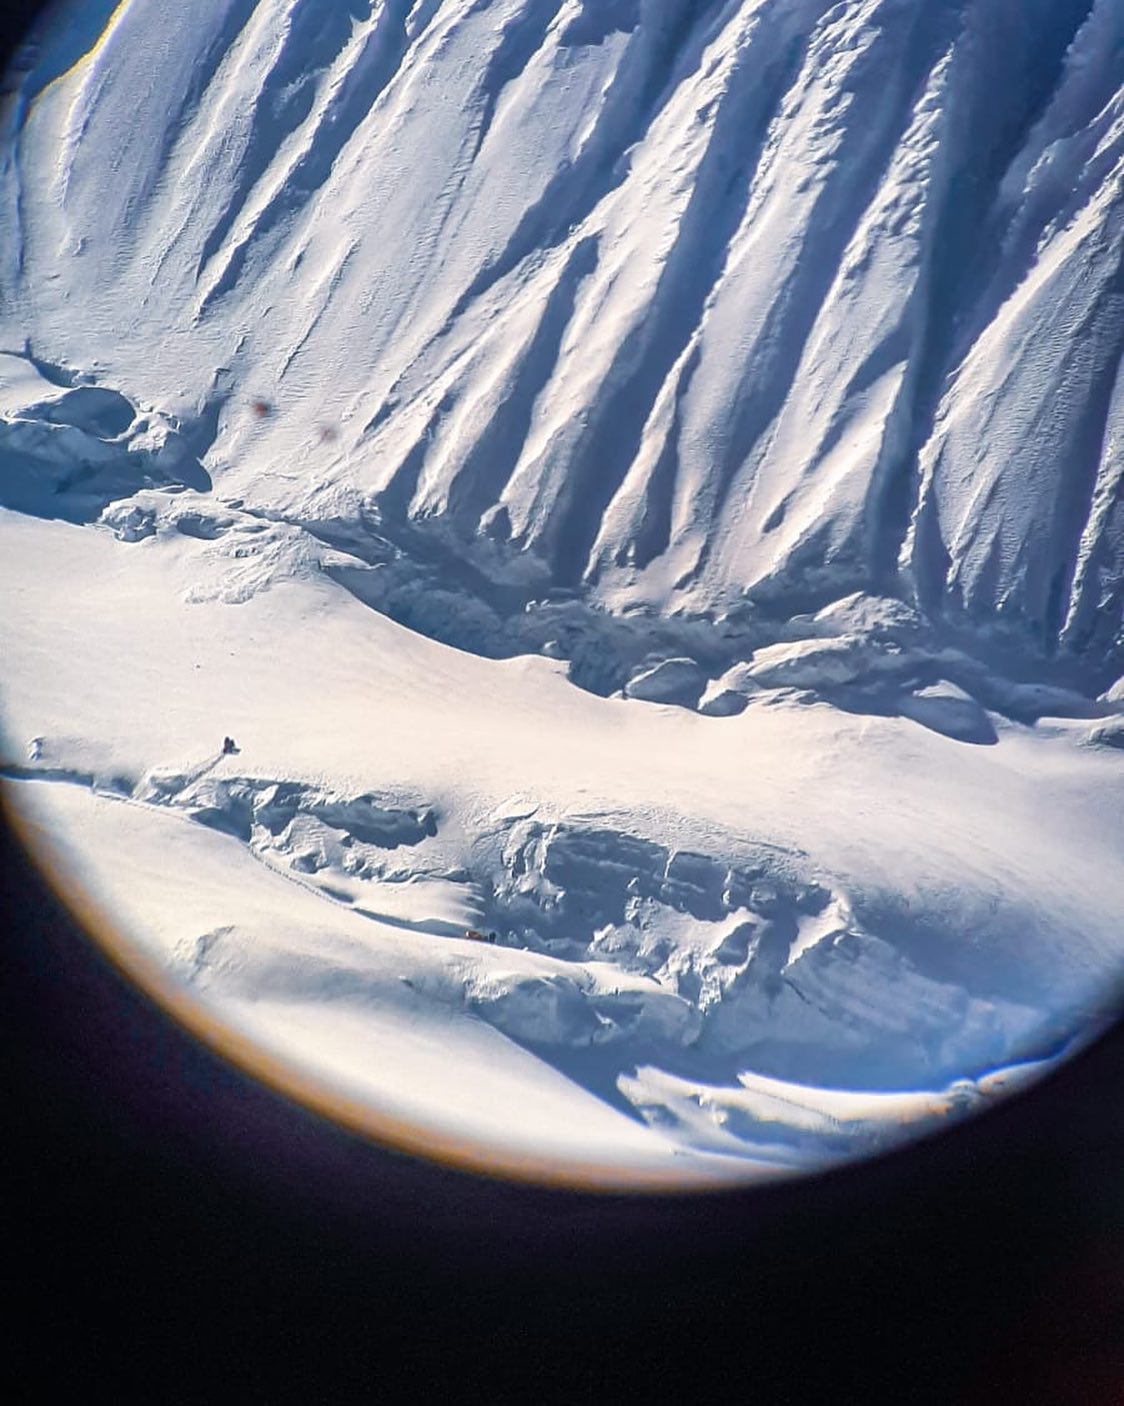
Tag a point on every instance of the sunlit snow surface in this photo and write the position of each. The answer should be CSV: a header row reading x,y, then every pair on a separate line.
x,y
642,480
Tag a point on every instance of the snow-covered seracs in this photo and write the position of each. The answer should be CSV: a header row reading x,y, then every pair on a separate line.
x,y
756,358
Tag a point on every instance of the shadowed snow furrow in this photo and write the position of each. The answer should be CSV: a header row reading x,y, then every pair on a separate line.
x,y
309,43
477,484
367,66
637,89
611,436
828,131
1014,467
1096,602
521,38
965,224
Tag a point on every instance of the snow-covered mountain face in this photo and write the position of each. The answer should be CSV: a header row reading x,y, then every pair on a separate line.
x,y
756,358
674,303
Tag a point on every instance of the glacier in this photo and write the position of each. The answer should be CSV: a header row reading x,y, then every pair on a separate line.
x,y
715,408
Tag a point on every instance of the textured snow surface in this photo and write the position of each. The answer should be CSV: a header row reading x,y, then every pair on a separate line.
x,y
642,478
678,299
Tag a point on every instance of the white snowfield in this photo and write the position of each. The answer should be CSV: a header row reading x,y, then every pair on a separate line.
x,y
641,483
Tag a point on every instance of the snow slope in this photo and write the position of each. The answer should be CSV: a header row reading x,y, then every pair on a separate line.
x,y
679,300
639,477
682,903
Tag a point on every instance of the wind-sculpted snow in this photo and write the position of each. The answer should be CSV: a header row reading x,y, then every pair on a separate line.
x,y
642,482
671,302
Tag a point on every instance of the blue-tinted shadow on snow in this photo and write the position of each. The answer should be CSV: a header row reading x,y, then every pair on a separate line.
x,y
607,1070
80,492
70,456
945,710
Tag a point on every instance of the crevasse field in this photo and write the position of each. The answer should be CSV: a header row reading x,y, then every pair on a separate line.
x,y
641,479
